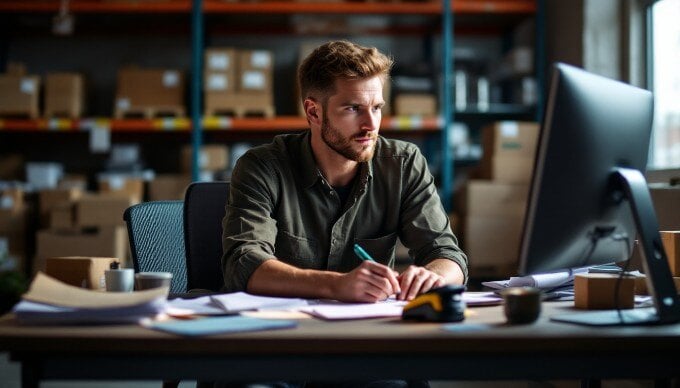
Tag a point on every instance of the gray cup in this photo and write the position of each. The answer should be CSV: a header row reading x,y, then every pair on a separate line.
x,y
119,280
147,280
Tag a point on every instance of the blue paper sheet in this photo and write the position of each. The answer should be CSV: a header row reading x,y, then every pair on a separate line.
x,y
220,325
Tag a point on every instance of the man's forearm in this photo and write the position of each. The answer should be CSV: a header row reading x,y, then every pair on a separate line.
x,y
448,269
274,277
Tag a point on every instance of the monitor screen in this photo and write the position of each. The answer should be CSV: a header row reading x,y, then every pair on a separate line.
x,y
588,197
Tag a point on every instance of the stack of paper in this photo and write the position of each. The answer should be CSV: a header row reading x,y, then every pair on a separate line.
x,y
241,301
49,301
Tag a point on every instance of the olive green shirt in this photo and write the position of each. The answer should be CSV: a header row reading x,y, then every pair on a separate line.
x,y
281,207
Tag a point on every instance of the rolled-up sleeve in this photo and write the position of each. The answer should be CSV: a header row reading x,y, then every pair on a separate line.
x,y
425,227
249,231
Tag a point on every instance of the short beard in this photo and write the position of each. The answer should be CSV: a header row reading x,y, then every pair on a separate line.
x,y
343,146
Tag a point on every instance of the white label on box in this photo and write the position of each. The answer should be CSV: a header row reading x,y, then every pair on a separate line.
x,y
123,103
509,129
203,159
218,61
260,59
253,80
100,138
116,182
170,79
27,86
218,82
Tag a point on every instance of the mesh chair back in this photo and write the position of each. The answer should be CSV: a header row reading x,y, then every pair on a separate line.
x,y
156,235
204,208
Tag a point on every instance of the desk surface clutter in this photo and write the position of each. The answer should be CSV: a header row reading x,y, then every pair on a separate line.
x,y
483,346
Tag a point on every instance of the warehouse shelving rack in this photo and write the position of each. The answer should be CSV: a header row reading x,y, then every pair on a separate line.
x,y
237,128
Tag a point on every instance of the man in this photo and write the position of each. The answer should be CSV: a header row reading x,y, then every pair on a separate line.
x,y
298,205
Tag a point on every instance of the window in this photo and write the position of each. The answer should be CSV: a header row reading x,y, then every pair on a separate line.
x,y
665,68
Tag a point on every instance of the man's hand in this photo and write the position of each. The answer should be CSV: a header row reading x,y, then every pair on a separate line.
x,y
369,282
416,280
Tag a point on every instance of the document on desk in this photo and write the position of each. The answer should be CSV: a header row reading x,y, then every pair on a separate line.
x,y
49,301
240,301
332,310
219,325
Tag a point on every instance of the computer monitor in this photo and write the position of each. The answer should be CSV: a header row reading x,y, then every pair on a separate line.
x,y
588,196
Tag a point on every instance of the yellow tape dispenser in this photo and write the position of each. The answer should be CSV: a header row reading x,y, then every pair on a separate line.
x,y
443,304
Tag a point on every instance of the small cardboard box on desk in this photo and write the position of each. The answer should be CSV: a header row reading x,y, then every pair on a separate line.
x,y
80,271
597,291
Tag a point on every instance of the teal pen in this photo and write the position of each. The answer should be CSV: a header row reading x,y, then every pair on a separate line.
x,y
363,255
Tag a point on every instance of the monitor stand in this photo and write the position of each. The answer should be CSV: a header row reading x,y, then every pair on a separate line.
x,y
629,184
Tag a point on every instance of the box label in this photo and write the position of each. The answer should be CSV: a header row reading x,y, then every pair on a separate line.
x,y
218,62
260,59
253,80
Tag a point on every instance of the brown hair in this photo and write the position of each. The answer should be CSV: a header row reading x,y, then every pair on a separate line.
x,y
339,60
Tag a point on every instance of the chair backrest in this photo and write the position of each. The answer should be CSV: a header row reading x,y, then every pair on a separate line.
x,y
156,235
204,208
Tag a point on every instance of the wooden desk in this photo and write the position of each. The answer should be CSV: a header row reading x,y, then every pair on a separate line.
x,y
484,348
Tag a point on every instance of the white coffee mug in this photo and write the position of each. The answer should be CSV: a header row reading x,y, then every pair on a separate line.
x,y
120,280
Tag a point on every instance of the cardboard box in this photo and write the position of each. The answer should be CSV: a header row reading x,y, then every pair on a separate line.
x,y
421,104
49,200
666,199
64,95
596,291
132,188
149,91
103,209
495,199
492,244
219,82
221,59
168,187
13,227
641,284
510,138
255,71
512,169
19,95
62,217
106,241
212,157
220,71
80,271
671,243
12,199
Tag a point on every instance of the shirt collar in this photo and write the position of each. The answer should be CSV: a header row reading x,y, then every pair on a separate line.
x,y
311,173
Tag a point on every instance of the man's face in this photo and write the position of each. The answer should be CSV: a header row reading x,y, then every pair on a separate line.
x,y
351,118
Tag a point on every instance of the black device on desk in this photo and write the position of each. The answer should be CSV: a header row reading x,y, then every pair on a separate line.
x,y
443,304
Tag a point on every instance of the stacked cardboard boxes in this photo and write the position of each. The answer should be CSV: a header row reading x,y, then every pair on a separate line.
x,y
149,93
495,206
82,224
64,95
13,223
420,104
212,159
19,93
238,82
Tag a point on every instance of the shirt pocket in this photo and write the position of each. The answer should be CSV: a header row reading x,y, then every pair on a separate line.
x,y
297,251
382,249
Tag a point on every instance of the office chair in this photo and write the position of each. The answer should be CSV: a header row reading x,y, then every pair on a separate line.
x,y
204,209
156,236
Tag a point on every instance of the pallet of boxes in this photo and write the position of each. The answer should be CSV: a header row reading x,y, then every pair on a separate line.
x,y
83,232
149,93
495,204
238,82
19,93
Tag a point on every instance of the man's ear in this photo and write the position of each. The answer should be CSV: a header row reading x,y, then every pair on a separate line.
x,y
312,111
